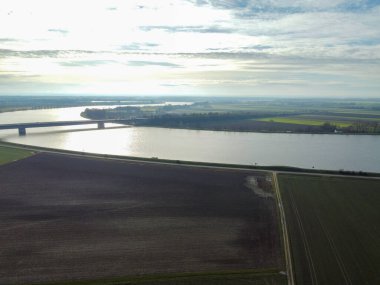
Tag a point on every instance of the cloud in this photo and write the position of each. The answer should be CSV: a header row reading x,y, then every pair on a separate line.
x,y
82,63
289,6
358,6
135,46
190,29
208,42
152,63
7,40
174,85
41,53
59,31
227,55
16,77
222,4
28,54
257,47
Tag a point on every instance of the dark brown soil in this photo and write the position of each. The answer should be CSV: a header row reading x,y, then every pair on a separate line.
x,y
65,217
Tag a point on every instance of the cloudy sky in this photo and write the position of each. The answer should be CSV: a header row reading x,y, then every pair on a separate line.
x,y
191,47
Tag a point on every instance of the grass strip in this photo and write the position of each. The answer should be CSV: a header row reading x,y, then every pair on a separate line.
x,y
303,121
9,154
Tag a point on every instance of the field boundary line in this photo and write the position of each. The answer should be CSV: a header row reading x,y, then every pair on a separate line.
x,y
288,255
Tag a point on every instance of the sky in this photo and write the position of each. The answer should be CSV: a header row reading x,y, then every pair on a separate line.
x,y
290,48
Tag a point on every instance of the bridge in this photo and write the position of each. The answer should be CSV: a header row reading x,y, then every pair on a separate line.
x,y
101,124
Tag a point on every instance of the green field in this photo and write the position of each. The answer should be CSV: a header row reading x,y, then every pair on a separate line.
x,y
341,120
334,228
341,117
8,154
304,121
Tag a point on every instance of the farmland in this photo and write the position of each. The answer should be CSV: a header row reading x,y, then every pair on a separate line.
x,y
301,120
67,218
257,115
333,226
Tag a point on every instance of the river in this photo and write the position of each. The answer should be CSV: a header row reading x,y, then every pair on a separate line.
x,y
348,152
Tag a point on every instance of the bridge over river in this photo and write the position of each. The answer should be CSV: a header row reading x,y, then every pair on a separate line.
x,y
101,124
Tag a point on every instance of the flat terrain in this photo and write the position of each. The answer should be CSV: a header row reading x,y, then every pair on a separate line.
x,y
353,116
334,228
8,154
307,121
72,218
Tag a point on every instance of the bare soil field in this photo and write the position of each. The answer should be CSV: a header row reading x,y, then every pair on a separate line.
x,y
333,223
71,218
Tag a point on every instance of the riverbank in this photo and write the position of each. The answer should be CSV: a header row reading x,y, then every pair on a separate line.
x,y
280,169
237,130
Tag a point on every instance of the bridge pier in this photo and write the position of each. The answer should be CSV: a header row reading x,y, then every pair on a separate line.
x,y
101,125
21,131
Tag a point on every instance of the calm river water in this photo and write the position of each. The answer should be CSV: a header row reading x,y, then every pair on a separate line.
x,y
349,152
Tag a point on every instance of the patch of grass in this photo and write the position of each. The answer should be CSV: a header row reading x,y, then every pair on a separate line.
x,y
333,227
292,120
8,154
303,121
340,118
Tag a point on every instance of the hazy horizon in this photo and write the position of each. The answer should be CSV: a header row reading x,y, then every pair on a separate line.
x,y
297,49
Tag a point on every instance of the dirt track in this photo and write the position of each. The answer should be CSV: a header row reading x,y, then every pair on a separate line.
x,y
64,217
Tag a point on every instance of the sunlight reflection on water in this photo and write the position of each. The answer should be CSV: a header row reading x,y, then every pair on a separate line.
x,y
348,152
